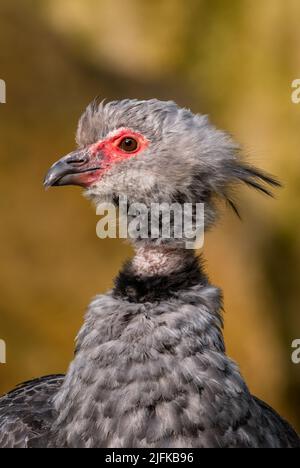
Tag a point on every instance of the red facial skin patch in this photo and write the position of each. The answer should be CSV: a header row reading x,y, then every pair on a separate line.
x,y
106,153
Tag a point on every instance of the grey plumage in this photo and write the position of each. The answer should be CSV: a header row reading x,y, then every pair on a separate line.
x,y
150,368
26,413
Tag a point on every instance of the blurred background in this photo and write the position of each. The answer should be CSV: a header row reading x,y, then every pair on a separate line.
x,y
232,60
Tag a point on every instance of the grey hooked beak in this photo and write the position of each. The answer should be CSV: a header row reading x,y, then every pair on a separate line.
x,y
73,169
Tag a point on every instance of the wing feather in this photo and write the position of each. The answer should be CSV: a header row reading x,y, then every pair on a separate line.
x,y
26,413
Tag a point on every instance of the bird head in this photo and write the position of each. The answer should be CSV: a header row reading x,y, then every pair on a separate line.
x,y
154,151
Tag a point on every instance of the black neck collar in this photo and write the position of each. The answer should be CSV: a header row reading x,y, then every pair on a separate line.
x,y
137,288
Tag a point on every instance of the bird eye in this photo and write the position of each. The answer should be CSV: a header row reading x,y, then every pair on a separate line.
x,y
128,144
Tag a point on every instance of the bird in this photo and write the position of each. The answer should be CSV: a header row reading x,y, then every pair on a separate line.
x,y
150,368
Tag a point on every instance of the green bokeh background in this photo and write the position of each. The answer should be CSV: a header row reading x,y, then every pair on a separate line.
x,y
234,60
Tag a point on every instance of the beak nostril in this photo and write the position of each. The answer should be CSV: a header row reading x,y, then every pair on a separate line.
x,y
76,162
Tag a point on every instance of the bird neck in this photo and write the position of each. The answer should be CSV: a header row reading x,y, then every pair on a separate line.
x,y
156,335
152,261
157,273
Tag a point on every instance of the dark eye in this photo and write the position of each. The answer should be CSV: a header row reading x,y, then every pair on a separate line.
x,y
128,144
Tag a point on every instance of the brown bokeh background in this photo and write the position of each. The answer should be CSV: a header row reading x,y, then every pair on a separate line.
x,y
233,60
